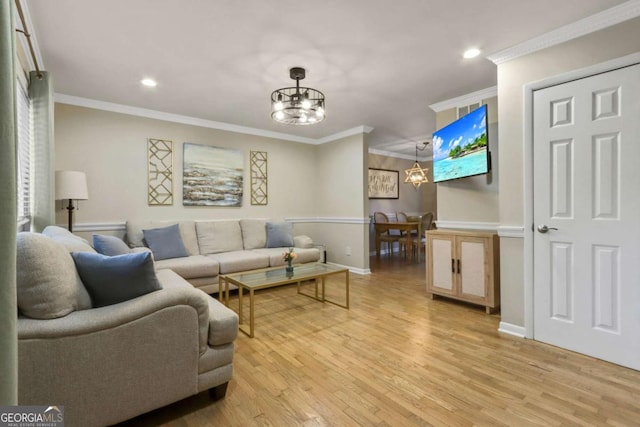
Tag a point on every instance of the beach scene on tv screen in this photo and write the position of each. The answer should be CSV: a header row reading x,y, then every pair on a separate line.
x,y
460,149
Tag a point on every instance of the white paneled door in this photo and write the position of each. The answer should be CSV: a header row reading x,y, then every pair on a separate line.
x,y
587,216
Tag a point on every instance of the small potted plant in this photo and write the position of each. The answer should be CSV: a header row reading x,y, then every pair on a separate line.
x,y
288,257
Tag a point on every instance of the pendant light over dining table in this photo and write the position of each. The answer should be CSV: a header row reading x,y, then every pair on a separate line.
x,y
297,105
416,175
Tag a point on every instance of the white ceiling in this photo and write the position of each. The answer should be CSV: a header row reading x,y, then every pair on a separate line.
x,y
380,63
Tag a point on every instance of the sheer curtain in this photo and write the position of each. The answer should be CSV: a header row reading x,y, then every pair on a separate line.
x,y
41,95
8,210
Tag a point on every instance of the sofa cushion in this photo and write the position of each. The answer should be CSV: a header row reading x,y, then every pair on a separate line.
x,y
254,233
302,241
111,280
279,234
234,261
190,267
69,240
110,245
135,235
219,236
276,259
47,283
165,242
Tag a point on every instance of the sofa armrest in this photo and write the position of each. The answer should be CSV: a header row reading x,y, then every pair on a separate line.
x,y
223,323
104,318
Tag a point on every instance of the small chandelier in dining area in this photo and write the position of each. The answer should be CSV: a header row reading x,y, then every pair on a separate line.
x,y
417,175
297,105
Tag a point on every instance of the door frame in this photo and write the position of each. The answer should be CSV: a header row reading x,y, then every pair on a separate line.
x,y
529,88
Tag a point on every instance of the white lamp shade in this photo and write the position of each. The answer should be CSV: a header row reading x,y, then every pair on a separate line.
x,y
71,185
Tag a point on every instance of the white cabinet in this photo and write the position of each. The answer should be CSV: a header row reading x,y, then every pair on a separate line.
x,y
464,265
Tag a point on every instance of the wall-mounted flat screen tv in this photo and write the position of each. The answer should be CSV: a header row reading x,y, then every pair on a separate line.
x,y
461,149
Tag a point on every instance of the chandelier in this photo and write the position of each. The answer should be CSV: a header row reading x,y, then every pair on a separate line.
x,y
416,175
297,105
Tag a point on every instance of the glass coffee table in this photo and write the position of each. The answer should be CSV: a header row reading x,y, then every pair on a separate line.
x,y
272,277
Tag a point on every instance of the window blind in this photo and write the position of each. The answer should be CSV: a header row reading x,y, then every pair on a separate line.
x,y
24,154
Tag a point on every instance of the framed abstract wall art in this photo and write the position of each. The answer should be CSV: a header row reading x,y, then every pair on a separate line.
x,y
211,176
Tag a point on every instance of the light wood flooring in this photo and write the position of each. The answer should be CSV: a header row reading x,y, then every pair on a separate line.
x,y
398,358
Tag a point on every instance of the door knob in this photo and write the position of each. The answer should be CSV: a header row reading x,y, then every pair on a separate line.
x,y
544,229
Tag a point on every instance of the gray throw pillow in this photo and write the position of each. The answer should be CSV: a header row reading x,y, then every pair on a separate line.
x,y
110,245
114,279
279,234
47,283
165,242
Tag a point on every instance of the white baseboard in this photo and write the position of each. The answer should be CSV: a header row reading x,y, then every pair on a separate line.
x,y
515,330
360,271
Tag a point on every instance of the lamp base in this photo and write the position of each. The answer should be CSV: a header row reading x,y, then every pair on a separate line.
x,y
70,208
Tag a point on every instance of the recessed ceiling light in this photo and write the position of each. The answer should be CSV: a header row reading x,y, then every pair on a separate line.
x,y
149,82
471,53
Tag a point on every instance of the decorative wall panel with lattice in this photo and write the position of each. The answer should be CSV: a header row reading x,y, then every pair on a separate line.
x,y
259,193
160,172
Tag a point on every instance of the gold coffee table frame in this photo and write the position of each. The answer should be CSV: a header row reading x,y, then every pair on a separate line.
x,y
277,276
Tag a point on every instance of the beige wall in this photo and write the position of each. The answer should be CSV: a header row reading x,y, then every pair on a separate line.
x,y
614,42
112,149
340,192
473,199
305,181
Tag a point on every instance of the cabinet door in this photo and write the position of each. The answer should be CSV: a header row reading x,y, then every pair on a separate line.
x,y
473,271
440,262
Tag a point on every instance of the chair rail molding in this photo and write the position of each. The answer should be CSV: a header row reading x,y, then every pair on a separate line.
x,y
515,231
330,220
97,226
468,225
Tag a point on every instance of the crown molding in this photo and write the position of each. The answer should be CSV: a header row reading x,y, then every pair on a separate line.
x,y
186,120
399,156
590,24
470,98
176,118
349,132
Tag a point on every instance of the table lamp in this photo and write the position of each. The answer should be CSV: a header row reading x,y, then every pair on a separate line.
x,y
71,185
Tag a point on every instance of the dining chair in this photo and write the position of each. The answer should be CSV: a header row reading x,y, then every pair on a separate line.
x,y
386,237
420,241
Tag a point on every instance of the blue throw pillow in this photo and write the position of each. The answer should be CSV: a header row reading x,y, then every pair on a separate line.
x,y
110,245
165,242
279,234
113,279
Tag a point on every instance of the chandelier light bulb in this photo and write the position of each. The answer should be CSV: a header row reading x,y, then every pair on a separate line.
x,y
278,106
279,115
303,118
306,104
312,119
320,112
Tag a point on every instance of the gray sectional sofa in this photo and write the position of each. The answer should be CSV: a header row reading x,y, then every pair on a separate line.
x,y
110,363
222,247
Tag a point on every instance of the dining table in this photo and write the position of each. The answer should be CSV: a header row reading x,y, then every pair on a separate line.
x,y
407,227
